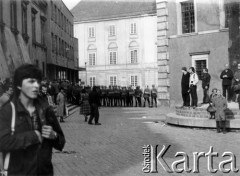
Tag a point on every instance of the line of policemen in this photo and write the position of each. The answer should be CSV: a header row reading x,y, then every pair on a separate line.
x,y
117,96
112,96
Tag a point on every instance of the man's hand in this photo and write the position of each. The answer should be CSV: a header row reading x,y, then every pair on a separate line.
x,y
237,80
39,136
206,87
47,132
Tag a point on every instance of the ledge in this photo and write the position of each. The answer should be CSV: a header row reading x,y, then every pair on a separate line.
x,y
40,45
174,119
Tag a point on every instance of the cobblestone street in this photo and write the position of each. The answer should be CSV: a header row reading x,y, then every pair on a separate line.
x,y
115,147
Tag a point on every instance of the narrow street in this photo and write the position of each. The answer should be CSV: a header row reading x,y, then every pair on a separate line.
x,y
115,147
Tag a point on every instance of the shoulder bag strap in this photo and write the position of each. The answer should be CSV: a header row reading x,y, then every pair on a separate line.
x,y
7,157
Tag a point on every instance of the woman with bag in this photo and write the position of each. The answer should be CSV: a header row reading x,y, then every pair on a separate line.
x,y
29,129
210,108
84,105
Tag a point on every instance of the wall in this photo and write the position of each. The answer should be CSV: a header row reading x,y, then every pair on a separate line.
x,y
209,36
146,69
179,49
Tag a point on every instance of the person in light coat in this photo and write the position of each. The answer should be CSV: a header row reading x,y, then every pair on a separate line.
x,y
61,102
193,87
220,105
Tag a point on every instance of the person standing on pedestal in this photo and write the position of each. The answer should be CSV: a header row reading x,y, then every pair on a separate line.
x,y
185,87
227,76
205,85
193,87
236,86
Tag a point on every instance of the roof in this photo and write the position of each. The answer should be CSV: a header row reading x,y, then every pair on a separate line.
x,y
88,10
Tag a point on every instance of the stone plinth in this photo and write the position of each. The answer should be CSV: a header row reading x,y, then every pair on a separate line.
x,y
199,117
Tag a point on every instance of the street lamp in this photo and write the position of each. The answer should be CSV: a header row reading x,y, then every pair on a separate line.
x,y
86,72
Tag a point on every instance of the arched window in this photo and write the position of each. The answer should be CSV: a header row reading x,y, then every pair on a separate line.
x,y
133,47
92,54
112,47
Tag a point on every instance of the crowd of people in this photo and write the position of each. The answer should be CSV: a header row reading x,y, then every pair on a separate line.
x,y
218,99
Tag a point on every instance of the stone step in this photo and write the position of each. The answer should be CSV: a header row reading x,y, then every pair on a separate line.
x,y
173,118
71,108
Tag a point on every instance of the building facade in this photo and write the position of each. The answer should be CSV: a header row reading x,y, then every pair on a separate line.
x,y
26,33
117,42
191,33
62,62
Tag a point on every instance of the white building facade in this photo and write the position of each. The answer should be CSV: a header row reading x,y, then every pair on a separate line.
x,y
118,51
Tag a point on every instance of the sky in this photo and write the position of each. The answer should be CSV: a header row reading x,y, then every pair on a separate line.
x,y
70,3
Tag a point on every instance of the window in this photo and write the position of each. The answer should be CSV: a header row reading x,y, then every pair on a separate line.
x,y
92,81
43,19
112,31
113,57
134,56
92,58
34,24
134,80
56,44
113,80
133,29
24,19
13,11
59,16
55,13
227,13
52,11
60,47
52,37
199,62
188,17
91,32
1,10
43,69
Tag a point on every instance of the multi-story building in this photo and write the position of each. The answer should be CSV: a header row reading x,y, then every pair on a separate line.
x,y
117,42
62,62
26,36
191,33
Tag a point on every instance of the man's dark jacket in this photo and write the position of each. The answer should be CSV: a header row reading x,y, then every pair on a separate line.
x,y
227,81
94,98
28,155
185,83
206,80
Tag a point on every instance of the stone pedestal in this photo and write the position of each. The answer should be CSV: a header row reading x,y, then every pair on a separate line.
x,y
199,117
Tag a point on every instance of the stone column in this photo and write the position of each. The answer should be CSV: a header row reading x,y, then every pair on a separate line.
x,y
163,55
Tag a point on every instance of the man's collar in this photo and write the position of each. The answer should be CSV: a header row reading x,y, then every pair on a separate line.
x,y
19,105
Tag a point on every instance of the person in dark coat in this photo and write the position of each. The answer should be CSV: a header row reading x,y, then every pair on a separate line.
x,y
94,101
37,130
154,95
185,87
138,95
220,105
227,76
205,85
